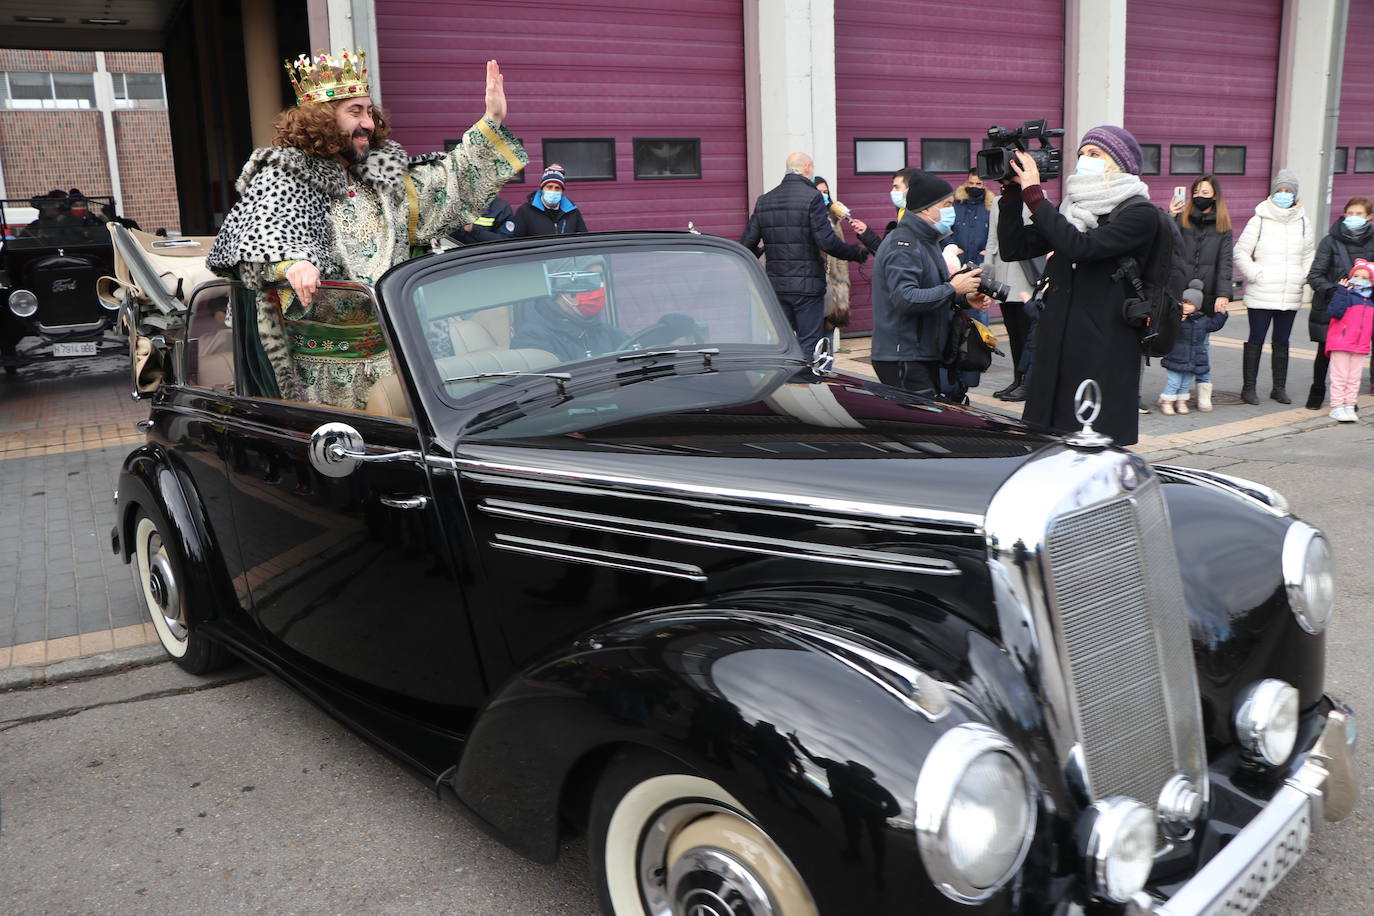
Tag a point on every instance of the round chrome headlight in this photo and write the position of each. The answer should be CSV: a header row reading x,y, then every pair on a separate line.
x,y
1267,721
1120,848
23,303
1308,576
975,812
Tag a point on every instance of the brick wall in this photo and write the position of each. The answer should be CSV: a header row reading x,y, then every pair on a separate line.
x,y
144,143
43,150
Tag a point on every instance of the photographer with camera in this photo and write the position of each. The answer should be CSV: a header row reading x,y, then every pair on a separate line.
x,y
913,292
1106,216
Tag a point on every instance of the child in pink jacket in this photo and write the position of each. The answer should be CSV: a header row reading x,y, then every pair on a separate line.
x,y
1348,337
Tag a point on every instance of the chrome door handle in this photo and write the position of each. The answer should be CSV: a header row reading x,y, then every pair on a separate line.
x,y
405,502
144,425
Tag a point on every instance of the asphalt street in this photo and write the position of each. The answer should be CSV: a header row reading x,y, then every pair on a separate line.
x,y
151,791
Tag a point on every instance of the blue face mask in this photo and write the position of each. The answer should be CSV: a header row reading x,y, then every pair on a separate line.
x,y
1088,165
1360,284
898,198
825,199
1355,223
1283,199
551,198
946,222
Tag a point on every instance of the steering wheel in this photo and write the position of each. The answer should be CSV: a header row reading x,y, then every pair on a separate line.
x,y
672,327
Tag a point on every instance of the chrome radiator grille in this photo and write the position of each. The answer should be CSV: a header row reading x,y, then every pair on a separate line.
x,y
1117,603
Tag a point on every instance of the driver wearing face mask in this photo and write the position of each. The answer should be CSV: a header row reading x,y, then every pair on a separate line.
x,y
549,211
571,322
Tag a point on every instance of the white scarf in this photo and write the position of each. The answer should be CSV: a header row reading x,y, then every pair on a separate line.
x,y
1086,197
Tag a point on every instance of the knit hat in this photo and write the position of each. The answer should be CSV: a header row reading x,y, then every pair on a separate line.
x,y
1193,294
1361,264
553,173
1118,143
924,189
1286,178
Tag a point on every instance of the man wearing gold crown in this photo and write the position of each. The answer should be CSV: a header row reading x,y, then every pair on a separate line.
x,y
334,198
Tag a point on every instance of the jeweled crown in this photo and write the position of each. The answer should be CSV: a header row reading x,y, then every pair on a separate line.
x,y
325,78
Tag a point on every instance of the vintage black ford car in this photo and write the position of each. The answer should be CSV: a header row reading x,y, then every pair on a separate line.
x,y
781,641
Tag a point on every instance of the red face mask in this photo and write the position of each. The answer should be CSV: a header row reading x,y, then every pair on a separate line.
x,y
591,303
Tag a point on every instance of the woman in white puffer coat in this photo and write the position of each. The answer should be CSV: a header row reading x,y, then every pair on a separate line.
x,y
1274,254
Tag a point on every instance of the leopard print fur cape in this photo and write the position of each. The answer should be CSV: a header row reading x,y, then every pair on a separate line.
x,y
282,213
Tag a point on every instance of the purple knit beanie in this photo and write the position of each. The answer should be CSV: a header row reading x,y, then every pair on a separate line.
x,y
1118,143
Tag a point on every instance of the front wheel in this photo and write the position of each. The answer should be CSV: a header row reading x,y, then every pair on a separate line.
x,y
159,580
664,841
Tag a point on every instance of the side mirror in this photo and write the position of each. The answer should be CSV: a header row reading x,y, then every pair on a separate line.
x,y
336,449
822,359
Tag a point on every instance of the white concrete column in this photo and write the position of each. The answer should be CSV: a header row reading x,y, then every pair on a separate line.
x,y
1094,68
1311,57
337,25
104,100
794,102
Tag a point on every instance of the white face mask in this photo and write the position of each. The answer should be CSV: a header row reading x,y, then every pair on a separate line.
x,y
898,199
1090,165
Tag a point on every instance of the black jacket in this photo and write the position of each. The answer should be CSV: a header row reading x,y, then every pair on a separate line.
x,y
495,225
1191,353
790,224
1207,256
544,325
912,295
1336,254
534,218
1082,333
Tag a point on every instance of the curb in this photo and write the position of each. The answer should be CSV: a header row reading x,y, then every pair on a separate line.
x,y
89,666
1319,421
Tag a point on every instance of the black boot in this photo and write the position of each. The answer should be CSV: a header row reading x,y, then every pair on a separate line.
x,y
1016,394
1249,370
1315,395
1279,365
1015,383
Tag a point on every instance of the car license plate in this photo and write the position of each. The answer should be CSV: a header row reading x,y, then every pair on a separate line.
x,y
1268,868
85,348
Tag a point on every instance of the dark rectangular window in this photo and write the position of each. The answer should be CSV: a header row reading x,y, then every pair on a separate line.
x,y
945,155
1228,160
667,157
583,159
1340,160
138,90
1364,159
1149,158
1185,159
879,155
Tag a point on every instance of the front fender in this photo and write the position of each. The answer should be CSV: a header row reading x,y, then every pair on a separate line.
x,y
151,479
825,754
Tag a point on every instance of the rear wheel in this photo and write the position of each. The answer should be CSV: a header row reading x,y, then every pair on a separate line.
x,y
664,841
159,579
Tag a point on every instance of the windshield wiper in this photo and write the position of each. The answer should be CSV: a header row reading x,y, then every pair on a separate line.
x,y
706,354
560,379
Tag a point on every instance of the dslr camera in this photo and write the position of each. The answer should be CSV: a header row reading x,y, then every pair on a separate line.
x,y
990,287
1000,147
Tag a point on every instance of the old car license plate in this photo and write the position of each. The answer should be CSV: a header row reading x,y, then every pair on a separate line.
x,y
84,348
1268,868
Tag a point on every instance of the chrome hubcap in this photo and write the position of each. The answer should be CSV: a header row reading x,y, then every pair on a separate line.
x,y
710,882
700,876
161,587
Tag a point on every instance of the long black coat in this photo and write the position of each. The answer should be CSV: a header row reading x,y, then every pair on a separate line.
x,y
1335,256
1207,256
1081,333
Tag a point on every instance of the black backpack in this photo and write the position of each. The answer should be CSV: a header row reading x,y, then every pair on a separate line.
x,y
1154,311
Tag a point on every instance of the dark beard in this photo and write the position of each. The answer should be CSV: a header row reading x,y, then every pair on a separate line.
x,y
350,152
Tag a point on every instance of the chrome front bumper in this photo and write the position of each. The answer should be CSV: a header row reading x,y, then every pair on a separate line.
x,y
1239,877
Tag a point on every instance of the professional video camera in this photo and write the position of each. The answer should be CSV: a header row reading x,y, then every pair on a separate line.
x,y
1000,146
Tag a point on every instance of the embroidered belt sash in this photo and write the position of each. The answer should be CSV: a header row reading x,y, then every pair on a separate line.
x,y
348,341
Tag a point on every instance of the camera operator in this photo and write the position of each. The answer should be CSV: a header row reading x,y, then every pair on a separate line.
x,y
1082,331
913,292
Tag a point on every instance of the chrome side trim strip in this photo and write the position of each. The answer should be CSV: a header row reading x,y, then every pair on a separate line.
x,y
570,554
1267,498
701,537
791,500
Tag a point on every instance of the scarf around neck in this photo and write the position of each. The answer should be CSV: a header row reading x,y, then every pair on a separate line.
x,y
1087,197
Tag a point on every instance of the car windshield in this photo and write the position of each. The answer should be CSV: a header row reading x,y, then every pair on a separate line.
x,y
51,222
557,311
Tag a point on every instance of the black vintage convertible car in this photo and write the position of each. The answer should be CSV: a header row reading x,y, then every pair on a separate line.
x,y
781,641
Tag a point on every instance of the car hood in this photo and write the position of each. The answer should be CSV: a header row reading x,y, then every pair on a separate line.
x,y
842,444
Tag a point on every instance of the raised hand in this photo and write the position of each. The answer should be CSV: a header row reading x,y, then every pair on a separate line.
x,y
496,93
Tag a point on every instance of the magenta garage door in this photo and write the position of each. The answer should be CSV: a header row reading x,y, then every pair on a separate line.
x,y
643,102
1354,160
925,89
1201,84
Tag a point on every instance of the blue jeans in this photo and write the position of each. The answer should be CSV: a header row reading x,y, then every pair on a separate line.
x,y
1178,383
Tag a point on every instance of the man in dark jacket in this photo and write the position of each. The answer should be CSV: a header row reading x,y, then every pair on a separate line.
x,y
972,209
1351,237
790,225
913,293
496,224
571,322
548,210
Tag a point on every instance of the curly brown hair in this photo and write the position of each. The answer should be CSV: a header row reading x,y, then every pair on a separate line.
x,y
311,126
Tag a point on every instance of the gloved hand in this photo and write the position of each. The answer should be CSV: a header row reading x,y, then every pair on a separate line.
x,y
863,256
